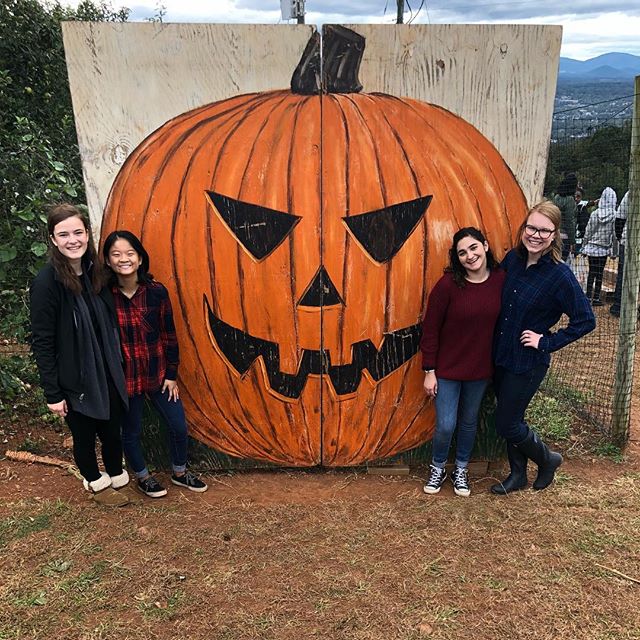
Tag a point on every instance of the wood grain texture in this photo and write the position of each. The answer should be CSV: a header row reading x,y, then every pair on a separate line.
x,y
500,78
129,79
264,376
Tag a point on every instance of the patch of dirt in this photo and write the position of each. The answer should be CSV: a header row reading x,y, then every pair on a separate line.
x,y
322,554
334,555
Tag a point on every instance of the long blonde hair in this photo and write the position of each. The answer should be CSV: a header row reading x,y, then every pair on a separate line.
x,y
552,213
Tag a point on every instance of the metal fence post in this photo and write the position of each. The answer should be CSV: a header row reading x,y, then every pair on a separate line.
x,y
631,278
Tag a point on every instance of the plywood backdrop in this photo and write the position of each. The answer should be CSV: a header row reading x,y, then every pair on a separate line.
x,y
299,234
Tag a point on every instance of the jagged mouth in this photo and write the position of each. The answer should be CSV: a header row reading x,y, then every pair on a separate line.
x,y
241,349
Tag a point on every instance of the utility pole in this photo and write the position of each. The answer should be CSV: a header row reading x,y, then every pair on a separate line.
x,y
400,18
292,9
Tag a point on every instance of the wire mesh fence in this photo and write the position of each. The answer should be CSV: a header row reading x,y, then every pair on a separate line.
x,y
583,375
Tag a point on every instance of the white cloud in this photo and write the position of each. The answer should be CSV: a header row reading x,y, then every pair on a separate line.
x,y
591,27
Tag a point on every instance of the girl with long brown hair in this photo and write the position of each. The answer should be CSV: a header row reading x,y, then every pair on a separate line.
x,y
77,350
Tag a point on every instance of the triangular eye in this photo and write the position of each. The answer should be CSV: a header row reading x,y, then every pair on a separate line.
x,y
258,229
382,233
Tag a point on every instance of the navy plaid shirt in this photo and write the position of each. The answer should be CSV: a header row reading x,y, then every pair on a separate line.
x,y
535,299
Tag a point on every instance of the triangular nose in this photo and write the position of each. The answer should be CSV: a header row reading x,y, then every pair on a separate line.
x,y
321,292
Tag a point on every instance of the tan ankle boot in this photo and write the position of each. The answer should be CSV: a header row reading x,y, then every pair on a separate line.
x,y
131,494
109,497
104,493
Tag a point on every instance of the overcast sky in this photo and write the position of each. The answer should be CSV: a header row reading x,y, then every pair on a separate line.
x,y
591,27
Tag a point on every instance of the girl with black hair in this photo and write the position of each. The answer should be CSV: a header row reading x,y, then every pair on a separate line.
x,y
457,336
150,351
76,347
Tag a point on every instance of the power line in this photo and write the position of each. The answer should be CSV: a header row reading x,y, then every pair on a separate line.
x,y
616,114
593,104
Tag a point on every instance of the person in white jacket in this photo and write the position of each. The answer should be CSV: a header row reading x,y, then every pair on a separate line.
x,y
621,219
599,242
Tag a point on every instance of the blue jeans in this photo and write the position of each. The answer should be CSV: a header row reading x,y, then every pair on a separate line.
x,y
457,403
172,413
514,392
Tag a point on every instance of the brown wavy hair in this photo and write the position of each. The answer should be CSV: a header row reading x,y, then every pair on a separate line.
x,y
56,214
455,268
552,213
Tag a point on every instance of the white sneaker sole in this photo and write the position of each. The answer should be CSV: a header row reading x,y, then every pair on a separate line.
x,y
431,490
465,493
158,494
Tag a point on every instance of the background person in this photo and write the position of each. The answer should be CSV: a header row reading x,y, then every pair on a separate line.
x,y
582,216
457,336
565,201
599,243
76,348
539,288
621,228
151,359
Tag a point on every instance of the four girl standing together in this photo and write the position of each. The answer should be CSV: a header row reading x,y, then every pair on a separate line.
x,y
104,339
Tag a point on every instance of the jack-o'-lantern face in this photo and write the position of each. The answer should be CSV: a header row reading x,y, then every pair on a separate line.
x,y
299,235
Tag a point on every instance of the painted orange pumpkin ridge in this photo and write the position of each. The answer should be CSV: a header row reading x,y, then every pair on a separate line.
x,y
316,170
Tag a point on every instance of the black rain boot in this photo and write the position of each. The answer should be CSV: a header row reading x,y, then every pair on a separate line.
x,y
517,479
548,461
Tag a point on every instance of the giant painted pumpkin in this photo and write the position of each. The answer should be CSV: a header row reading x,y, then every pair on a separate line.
x,y
299,233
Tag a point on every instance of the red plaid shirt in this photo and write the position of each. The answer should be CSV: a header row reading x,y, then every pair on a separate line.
x,y
148,337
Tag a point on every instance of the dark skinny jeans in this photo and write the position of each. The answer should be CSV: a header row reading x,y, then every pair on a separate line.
x,y
514,392
85,430
594,279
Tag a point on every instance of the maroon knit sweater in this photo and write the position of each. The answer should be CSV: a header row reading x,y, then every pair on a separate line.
x,y
457,330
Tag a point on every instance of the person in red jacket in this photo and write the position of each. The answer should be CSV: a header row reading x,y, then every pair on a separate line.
x,y
456,345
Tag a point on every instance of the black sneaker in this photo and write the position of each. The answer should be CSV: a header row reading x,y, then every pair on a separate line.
x,y
151,487
189,481
460,479
437,476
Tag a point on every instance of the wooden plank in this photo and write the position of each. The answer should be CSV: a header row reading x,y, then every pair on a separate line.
x,y
129,79
630,280
391,470
138,91
500,78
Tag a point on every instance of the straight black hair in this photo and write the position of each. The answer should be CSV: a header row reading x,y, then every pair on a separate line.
x,y
132,239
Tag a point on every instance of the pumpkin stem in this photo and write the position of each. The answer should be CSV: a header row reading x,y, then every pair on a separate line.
x,y
306,78
342,51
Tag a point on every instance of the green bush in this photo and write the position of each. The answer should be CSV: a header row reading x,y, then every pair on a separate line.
x,y
39,158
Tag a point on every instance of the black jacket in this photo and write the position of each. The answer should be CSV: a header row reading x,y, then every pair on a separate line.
x,y
54,335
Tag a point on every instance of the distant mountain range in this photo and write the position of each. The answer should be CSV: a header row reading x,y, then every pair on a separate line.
x,y
608,66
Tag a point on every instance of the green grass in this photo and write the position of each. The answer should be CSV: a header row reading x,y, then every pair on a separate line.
x,y
550,417
24,521
609,450
17,527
